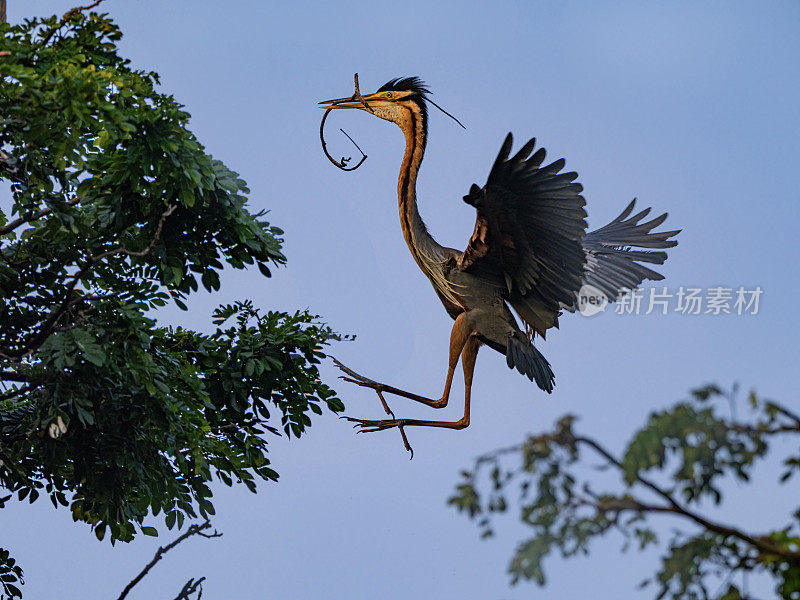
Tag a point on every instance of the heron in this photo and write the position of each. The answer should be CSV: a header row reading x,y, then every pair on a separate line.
x,y
529,254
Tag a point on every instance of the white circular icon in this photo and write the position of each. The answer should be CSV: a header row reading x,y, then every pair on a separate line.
x,y
591,300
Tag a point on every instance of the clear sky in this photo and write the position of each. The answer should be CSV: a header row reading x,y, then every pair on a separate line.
x,y
691,107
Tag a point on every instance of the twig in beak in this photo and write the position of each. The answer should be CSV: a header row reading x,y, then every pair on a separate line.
x,y
342,164
357,96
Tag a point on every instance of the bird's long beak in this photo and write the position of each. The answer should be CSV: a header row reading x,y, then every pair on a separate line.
x,y
347,102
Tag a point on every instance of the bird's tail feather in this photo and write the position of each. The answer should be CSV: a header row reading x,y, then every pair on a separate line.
x,y
524,356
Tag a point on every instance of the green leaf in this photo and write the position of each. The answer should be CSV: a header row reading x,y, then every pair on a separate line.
x,y
95,355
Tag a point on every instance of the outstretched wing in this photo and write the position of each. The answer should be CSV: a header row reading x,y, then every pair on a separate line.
x,y
528,234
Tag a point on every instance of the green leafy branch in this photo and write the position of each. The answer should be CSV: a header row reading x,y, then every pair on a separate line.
x,y
117,209
10,574
566,511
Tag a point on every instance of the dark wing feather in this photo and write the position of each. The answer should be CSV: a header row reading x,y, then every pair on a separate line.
x,y
528,233
612,265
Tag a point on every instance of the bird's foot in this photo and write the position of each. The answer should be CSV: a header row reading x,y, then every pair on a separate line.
x,y
353,377
370,426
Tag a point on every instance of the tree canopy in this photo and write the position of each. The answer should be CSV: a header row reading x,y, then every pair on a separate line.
x,y
115,210
679,459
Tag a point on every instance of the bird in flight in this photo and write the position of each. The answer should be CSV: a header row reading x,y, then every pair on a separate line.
x,y
529,252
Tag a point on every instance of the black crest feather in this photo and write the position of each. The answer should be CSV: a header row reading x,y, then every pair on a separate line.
x,y
405,84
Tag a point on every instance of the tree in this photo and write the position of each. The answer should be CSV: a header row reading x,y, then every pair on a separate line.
x,y
566,510
116,209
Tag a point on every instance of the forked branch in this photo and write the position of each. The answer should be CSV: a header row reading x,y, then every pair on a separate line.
x,y
191,585
189,588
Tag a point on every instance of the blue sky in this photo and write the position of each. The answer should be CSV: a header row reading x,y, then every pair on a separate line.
x,y
691,107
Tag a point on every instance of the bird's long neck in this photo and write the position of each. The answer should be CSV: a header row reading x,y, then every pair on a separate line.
x,y
425,250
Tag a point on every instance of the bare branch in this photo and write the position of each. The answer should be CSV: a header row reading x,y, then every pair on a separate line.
x,y
190,588
72,11
617,505
150,246
762,543
238,426
194,529
785,412
758,430
66,17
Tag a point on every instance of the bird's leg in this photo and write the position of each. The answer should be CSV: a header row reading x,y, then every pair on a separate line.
x,y
469,356
458,337
469,352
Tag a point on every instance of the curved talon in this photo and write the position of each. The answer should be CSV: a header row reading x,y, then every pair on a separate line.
x,y
405,442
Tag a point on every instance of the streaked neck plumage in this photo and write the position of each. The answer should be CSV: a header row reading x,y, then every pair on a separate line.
x,y
426,251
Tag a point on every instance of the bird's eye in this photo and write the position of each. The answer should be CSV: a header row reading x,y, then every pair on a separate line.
x,y
389,95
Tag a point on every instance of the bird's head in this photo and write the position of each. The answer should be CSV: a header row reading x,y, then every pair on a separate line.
x,y
396,100
400,100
